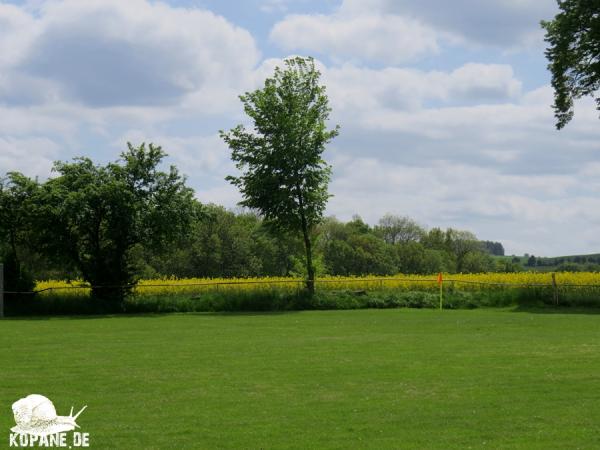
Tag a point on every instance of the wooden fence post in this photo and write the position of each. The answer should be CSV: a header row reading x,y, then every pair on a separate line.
x,y
1,290
555,289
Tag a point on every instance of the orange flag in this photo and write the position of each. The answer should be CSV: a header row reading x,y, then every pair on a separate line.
x,y
440,280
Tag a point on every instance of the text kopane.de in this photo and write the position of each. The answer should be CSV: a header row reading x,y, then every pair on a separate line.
x,y
50,440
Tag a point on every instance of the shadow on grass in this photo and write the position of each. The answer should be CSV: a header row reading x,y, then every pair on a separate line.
x,y
532,309
148,315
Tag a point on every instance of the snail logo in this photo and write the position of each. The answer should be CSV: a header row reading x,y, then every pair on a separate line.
x,y
38,423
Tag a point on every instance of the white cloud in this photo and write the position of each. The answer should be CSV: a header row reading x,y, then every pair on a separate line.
x,y
483,82
371,37
17,29
495,205
359,91
32,156
80,73
201,155
23,121
513,136
394,32
203,159
502,23
111,53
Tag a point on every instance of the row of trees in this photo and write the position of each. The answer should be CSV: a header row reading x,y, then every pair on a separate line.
x,y
111,224
399,244
228,244
575,263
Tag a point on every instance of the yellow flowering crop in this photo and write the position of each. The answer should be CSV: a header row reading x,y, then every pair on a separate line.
x,y
466,282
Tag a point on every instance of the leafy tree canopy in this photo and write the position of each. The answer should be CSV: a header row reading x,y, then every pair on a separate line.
x,y
93,215
283,174
17,194
396,229
574,55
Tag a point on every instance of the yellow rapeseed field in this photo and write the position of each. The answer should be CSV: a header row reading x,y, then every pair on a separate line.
x,y
466,282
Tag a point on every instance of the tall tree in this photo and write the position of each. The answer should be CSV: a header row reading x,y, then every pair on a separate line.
x,y
574,55
93,216
283,174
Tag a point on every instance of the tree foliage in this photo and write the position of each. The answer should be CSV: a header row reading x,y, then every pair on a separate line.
x,y
283,174
17,200
92,216
463,244
574,55
493,248
354,249
223,243
395,229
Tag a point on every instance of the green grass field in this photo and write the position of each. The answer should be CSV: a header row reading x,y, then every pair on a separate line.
x,y
319,379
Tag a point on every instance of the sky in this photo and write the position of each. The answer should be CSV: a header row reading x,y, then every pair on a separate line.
x,y
444,107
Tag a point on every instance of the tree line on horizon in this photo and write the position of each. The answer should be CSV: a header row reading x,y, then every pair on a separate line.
x,y
112,224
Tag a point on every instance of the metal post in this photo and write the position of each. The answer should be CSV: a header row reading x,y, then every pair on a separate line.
x,y
1,290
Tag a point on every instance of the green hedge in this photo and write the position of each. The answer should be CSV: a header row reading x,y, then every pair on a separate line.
x,y
274,300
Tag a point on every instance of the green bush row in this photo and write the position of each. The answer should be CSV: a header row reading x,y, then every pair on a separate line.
x,y
274,300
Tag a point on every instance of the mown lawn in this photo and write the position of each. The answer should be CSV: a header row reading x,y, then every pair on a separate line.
x,y
320,379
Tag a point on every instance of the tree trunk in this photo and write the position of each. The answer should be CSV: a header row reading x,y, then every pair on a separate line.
x,y
310,270
310,281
